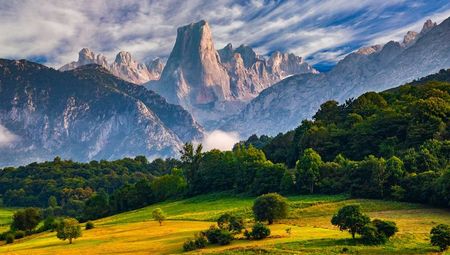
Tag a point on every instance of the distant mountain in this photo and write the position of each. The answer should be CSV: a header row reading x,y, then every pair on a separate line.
x,y
212,84
85,114
284,105
124,66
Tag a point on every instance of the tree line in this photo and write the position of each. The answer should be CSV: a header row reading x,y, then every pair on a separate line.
x,y
389,145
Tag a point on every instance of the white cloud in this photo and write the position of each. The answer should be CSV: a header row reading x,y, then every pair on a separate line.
x,y
6,137
220,140
398,33
328,56
59,29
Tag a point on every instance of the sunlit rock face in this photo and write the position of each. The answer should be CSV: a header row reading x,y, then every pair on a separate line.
x,y
212,84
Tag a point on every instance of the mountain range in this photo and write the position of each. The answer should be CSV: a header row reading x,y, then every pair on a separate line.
x,y
284,105
85,114
93,109
124,66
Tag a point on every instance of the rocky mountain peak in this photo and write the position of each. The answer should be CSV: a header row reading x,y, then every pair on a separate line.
x,y
285,64
212,83
226,54
155,67
124,57
369,49
427,26
124,66
86,56
247,54
193,73
409,38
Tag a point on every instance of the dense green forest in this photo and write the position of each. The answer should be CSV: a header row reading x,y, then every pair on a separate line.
x,y
389,145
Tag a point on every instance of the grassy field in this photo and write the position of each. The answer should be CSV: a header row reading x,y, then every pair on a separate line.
x,y
135,233
5,218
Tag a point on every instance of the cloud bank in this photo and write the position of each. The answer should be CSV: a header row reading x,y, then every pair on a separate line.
x,y
220,140
6,137
52,31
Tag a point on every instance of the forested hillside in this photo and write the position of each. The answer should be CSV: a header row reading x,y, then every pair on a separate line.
x,y
389,145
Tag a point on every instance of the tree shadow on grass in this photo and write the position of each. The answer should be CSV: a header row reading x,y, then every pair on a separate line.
x,y
352,246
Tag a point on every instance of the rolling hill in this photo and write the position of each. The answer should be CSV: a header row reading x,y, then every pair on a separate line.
x,y
312,233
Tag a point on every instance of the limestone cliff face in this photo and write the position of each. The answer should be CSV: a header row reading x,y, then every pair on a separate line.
x,y
212,84
250,74
85,114
124,66
376,68
193,74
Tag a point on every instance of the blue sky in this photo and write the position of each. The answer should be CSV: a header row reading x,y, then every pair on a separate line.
x,y
52,32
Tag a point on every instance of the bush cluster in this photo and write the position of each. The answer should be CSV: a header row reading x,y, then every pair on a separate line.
x,y
259,231
198,242
89,225
440,236
223,233
373,232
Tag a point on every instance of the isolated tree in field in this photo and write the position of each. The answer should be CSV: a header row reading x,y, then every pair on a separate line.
x,y
270,207
26,219
68,228
440,236
308,170
158,215
350,218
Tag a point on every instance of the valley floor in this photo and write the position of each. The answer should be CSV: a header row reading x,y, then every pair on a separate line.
x,y
311,231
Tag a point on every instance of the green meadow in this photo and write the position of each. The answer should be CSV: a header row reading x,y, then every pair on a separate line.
x,y
135,232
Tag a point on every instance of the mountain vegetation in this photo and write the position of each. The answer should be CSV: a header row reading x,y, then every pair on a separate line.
x,y
393,144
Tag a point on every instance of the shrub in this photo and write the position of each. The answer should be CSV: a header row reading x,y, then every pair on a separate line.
x,y
189,245
371,235
216,235
225,237
288,231
26,219
19,234
231,223
9,238
50,223
259,231
89,225
440,236
270,207
388,228
200,240
247,234
212,234
197,243
3,235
